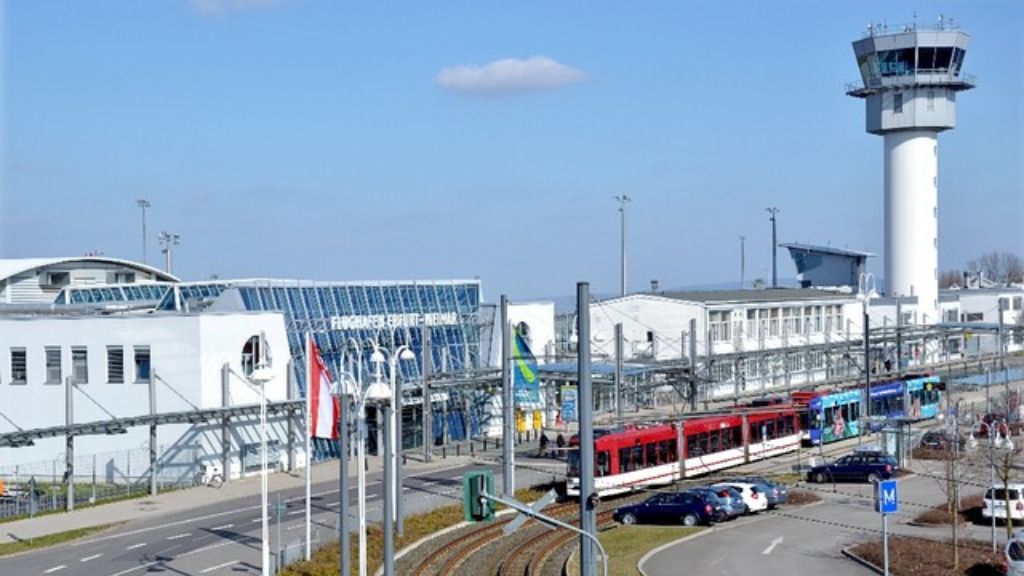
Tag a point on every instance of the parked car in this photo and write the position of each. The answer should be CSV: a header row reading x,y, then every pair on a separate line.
x,y
1013,492
686,508
778,493
862,465
941,440
732,501
753,500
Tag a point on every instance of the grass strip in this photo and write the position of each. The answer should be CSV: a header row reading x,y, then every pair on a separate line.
x,y
626,545
8,548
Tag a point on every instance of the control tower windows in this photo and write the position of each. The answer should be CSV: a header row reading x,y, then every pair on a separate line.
x,y
934,59
895,62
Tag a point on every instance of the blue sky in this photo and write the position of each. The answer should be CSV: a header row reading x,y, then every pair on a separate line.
x,y
313,139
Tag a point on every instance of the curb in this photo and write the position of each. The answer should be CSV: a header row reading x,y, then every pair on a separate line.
x,y
849,554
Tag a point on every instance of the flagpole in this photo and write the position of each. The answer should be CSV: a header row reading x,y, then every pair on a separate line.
x,y
309,433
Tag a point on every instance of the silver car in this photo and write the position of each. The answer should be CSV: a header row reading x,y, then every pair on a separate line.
x,y
1014,553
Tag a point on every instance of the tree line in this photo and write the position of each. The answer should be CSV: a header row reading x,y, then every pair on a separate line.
x,y
998,267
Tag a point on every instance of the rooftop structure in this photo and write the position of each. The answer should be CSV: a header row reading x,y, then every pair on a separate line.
x,y
827,266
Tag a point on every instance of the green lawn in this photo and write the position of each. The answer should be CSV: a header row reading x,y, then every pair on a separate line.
x,y
48,540
626,545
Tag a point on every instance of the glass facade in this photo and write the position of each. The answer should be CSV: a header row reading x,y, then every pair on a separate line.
x,y
391,314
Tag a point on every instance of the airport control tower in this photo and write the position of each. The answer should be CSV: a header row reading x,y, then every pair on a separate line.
x,y
911,76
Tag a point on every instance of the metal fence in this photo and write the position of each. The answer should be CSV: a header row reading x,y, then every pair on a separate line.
x,y
98,478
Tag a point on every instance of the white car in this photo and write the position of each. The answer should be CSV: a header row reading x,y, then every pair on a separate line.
x,y
1014,556
753,500
1014,491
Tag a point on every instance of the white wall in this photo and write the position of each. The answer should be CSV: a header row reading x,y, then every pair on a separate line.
x,y
187,352
639,314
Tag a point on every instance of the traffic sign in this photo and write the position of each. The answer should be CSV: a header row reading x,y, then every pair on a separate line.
x,y
887,500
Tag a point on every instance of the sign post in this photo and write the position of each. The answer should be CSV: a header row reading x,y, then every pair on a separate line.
x,y
887,501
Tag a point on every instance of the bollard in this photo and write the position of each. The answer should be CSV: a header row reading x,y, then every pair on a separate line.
x,y
444,451
472,451
458,450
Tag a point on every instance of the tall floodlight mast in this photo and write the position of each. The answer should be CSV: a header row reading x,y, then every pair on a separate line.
x,y
910,76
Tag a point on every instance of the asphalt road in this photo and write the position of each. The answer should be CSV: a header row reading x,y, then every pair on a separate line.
x,y
225,538
808,540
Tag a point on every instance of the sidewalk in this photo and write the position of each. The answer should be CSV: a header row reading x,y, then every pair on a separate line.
x,y
198,498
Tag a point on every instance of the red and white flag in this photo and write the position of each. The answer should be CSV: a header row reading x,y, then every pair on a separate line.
x,y
323,407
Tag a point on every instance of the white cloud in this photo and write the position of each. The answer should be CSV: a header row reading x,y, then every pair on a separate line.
x,y
508,76
211,7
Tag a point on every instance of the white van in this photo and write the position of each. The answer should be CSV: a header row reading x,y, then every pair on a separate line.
x,y
1014,491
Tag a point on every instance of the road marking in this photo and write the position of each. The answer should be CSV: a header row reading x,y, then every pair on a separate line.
x,y
134,546
179,536
294,512
257,520
55,569
93,557
224,565
295,527
224,527
142,567
772,546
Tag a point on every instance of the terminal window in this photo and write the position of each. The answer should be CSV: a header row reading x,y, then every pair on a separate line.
x,y
80,364
142,364
19,367
115,364
897,103
53,373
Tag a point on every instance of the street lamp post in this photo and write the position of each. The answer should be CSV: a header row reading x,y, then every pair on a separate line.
x,y
403,352
260,377
865,292
379,393
344,388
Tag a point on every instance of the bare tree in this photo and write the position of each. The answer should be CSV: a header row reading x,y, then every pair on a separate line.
x,y
950,277
1002,267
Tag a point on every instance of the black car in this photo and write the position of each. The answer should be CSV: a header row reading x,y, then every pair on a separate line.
x,y
686,508
940,440
870,466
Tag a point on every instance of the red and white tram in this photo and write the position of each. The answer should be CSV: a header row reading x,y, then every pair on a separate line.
x,y
641,455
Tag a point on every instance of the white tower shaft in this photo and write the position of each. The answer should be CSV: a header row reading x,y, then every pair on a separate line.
x,y
911,219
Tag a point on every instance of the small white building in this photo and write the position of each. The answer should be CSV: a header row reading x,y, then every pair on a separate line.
x,y
110,362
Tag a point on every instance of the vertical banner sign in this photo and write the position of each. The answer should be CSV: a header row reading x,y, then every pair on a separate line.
x,y
569,402
524,374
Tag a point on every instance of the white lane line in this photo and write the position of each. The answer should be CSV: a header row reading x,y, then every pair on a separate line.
x,y
55,569
294,512
93,557
134,546
224,527
218,566
179,536
141,567
295,527
772,546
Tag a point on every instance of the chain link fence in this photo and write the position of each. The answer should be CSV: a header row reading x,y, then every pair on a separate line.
x,y
36,487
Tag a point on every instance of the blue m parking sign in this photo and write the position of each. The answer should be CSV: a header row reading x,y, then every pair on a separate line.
x,y
887,499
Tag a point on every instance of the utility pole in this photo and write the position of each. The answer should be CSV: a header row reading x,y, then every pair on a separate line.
x,y
143,203
743,260
623,200
507,405
775,275
588,497
169,241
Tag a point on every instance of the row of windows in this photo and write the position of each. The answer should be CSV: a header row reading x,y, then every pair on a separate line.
x,y
647,455
54,364
775,322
